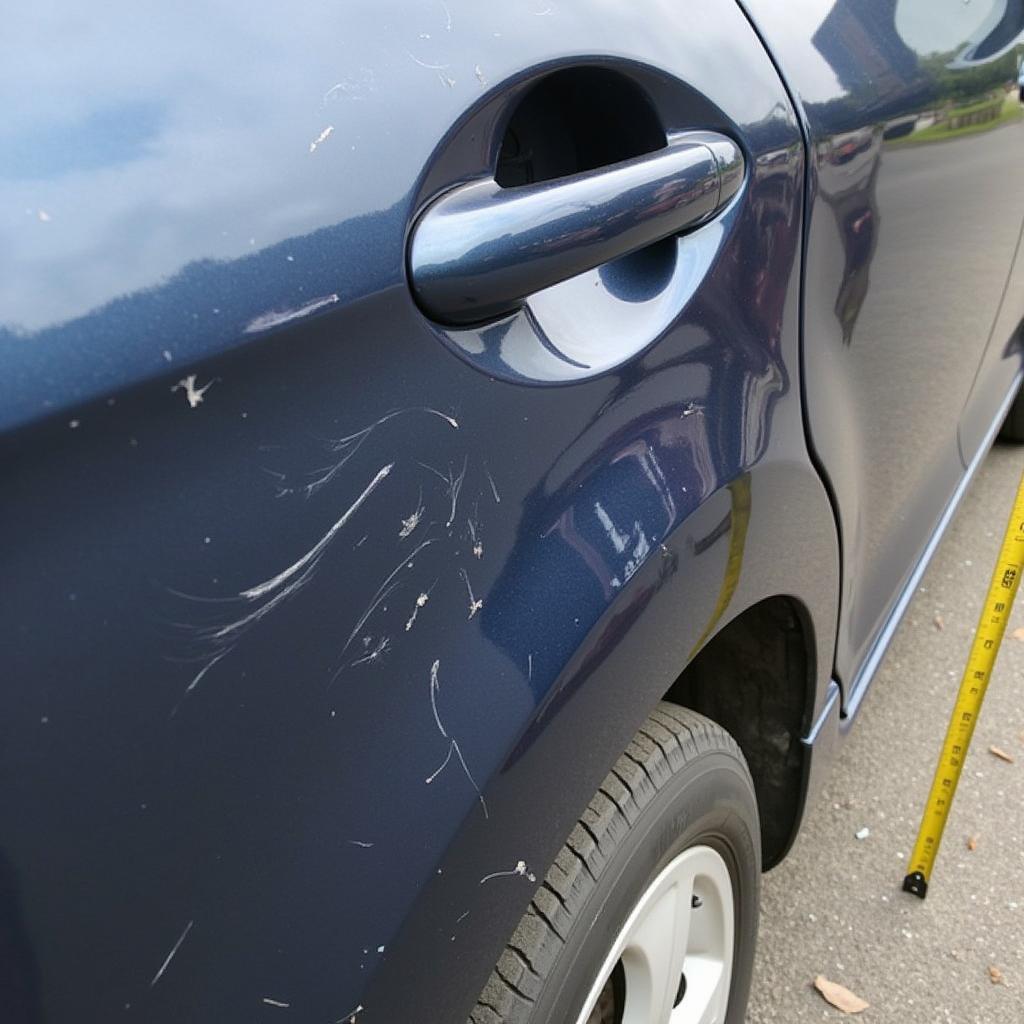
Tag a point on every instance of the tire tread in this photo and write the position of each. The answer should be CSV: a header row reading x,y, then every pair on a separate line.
x,y
670,739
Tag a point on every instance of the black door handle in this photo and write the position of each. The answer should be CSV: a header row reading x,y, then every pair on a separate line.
x,y
479,250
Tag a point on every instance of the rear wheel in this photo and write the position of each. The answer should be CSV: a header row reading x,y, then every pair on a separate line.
x,y
649,913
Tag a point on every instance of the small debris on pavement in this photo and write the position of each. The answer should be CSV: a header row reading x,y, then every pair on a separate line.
x,y
1018,633
972,842
995,975
841,997
863,833
1001,754
940,625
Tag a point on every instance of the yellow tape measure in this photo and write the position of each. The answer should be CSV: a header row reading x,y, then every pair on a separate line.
x,y
991,626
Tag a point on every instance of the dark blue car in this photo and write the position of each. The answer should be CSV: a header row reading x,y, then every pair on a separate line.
x,y
462,465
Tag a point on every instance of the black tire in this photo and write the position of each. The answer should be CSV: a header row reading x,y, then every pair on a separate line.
x,y
681,782
1013,426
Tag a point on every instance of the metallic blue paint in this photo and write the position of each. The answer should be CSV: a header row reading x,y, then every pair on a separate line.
x,y
478,251
284,552
910,244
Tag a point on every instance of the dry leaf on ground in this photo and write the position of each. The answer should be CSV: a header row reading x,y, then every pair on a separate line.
x,y
995,975
1001,754
972,842
840,997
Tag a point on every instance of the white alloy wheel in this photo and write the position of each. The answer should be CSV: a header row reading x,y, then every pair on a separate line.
x,y
675,949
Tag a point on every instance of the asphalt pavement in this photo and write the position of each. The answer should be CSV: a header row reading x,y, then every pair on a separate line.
x,y
835,905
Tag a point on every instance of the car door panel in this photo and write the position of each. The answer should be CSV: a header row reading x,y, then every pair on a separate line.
x,y
315,628
912,133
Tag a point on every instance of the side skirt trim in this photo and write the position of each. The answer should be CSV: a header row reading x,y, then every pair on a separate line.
x,y
866,673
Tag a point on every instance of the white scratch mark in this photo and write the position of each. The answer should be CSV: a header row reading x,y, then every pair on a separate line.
x,y
474,604
691,409
193,395
74,424
317,550
170,956
444,764
453,485
384,590
276,1002
445,80
202,672
321,138
479,75
44,216
360,843
546,11
266,321
352,87
462,917
453,744
519,869
304,567
529,666
420,603
494,488
381,648
167,355
350,1017
351,444
447,15
410,524
435,688
424,64
478,546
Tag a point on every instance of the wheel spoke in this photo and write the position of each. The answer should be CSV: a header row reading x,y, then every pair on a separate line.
x,y
707,992
681,928
654,954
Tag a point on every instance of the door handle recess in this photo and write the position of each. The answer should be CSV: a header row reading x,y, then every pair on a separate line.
x,y
479,250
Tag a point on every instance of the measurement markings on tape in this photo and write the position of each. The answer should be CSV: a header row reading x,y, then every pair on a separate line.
x,y
991,626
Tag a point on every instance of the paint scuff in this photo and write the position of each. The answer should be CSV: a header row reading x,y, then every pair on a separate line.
x,y
276,318
384,590
475,604
454,750
381,648
421,602
347,447
321,138
520,869
170,956
193,395
409,524
453,486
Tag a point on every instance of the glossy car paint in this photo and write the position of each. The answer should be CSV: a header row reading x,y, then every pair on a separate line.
x,y
910,246
281,550
242,632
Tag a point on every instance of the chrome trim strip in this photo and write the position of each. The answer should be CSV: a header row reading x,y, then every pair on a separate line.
x,y
826,713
